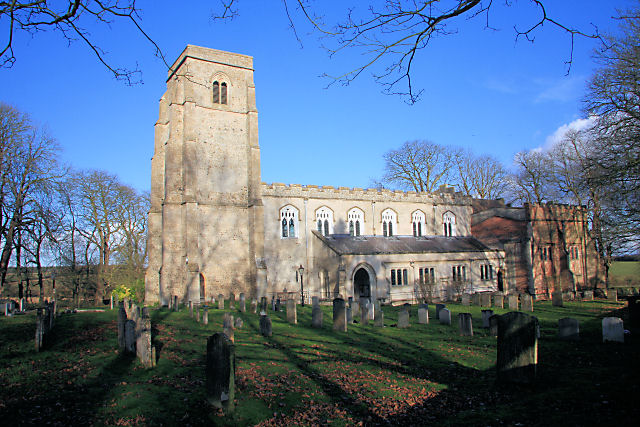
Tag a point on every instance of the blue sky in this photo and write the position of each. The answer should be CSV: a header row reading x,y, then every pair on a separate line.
x,y
481,89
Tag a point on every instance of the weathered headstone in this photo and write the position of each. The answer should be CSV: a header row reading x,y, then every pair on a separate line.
x,y
465,323
486,314
239,323
265,326
130,337
349,315
517,359
588,296
227,320
466,299
364,314
198,313
513,302
315,301
205,316
612,329
145,312
316,316
633,304
292,312
526,302
220,302
191,309
278,304
339,315
242,303
232,301
220,374
556,299
485,299
403,317
110,303
263,304
612,295
475,298
568,329
371,313
254,305
176,304
39,341
423,315
122,319
143,344
379,321
498,300
445,316
355,308
439,307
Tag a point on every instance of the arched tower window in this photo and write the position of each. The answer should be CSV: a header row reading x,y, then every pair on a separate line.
x,y
418,220
324,219
289,222
449,223
219,92
355,217
388,221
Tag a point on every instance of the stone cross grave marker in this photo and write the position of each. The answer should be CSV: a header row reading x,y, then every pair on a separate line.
x,y
568,329
612,329
465,323
339,315
445,316
517,359
220,372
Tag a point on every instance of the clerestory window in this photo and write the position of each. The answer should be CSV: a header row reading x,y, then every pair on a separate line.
x,y
289,222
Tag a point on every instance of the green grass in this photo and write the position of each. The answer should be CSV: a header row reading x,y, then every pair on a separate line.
x,y
421,375
625,273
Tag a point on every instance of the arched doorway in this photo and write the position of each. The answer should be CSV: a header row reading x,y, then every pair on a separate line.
x,y
361,284
202,288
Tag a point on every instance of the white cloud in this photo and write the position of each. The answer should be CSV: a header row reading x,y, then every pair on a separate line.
x,y
558,135
564,90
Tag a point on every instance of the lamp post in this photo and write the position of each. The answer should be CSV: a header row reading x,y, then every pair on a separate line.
x,y
301,271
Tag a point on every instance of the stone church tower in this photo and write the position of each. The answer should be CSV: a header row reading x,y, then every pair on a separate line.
x,y
206,223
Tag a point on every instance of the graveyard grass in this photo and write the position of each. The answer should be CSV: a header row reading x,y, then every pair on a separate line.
x,y
425,374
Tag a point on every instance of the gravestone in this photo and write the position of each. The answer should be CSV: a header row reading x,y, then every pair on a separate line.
x,y
486,314
362,306
145,312
569,329
265,326
176,304
498,300
445,316
423,315
316,316
612,295
110,302
403,318
633,304
556,299
205,316
526,302
349,315
39,341
122,319
143,344
232,301
339,315
439,307
466,299
588,296
191,309
243,303
612,329
254,305
513,302
355,308
475,298
517,358
220,372
379,320
349,301
198,313
493,326
239,323
292,313
227,320
485,299
465,323
263,304
130,337
315,301
364,314
220,302
371,311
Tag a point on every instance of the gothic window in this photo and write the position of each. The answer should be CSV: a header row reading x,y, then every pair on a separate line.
x,y
418,220
324,218
449,223
223,93
399,277
356,219
219,92
388,219
289,221
216,92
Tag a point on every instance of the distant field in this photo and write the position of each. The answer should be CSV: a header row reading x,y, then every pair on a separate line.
x,y
625,273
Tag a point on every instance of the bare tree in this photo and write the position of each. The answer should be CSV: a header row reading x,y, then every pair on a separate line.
x,y
484,177
391,34
532,179
419,165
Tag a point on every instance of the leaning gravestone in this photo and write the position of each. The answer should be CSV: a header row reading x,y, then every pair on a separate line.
x,y
466,300
486,314
612,329
568,329
220,374
316,316
423,314
130,337
526,302
465,322
243,303
292,313
143,344
498,300
513,302
445,316
220,302
439,307
265,326
339,315
403,317
517,359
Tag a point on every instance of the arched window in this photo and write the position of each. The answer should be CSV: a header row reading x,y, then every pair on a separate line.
x,y
388,219
449,223
289,221
219,92
356,220
324,218
418,219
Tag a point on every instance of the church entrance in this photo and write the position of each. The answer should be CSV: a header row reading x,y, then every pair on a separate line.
x,y
361,284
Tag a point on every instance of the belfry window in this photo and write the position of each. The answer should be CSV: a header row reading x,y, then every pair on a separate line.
x,y
324,220
289,222
219,93
356,218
